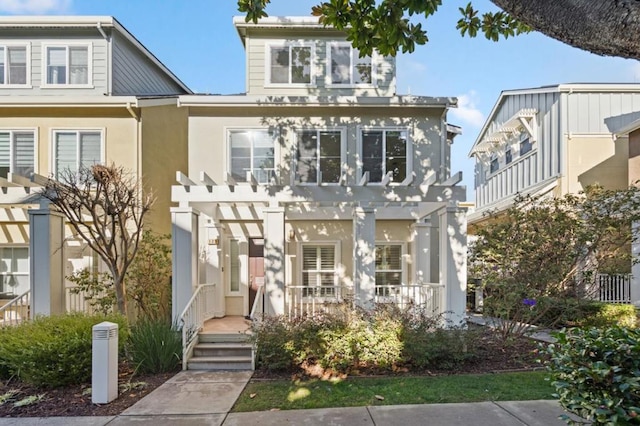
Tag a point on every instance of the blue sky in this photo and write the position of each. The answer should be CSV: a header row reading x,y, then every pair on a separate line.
x,y
197,41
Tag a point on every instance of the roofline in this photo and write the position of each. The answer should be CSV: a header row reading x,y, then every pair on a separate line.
x,y
308,22
88,22
314,101
97,101
558,88
634,125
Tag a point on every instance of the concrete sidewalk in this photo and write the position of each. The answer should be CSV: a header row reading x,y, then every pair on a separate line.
x,y
206,397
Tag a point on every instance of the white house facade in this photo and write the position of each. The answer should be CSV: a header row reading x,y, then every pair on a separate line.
x,y
318,186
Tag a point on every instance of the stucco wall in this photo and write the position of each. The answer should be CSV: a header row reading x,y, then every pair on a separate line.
x,y
596,160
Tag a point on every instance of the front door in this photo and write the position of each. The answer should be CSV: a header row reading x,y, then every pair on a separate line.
x,y
256,268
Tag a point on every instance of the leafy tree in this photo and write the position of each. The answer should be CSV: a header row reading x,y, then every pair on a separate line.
x,y
106,206
542,248
601,27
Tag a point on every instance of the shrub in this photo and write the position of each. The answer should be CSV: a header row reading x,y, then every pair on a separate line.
x,y
599,314
596,373
155,346
97,288
53,351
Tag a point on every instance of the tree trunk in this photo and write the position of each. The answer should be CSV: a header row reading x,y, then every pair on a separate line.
x,y
603,27
118,284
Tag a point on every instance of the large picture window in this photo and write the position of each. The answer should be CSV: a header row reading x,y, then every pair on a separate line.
x,y
289,64
76,149
14,65
319,156
319,270
17,152
67,65
346,67
385,151
14,270
252,151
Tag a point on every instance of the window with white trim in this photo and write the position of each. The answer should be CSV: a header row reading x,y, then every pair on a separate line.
x,y
289,64
75,149
388,268
252,151
14,270
494,165
14,65
385,151
319,270
67,65
346,67
17,152
525,145
234,264
318,156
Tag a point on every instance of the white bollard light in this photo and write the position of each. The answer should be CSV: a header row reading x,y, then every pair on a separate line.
x,y
104,367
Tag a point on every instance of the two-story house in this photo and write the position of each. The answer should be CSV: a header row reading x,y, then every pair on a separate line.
x,y
554,140
75,91
319,185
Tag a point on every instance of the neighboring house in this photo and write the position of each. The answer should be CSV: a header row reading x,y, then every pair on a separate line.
x,y
554,140
319,185
76,91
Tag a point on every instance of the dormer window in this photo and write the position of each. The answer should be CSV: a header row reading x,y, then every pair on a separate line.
x,y
68,65
345,66
14,65
289,64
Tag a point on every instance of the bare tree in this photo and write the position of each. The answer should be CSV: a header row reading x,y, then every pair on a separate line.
x,y
106,206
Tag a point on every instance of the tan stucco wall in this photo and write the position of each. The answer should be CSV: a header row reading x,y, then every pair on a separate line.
x,y
596,160
164,151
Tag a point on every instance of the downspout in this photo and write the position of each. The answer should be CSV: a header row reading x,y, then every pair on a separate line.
x,y
137,117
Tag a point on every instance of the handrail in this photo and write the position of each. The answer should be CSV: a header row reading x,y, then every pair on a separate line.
x,y
14,308
199,308
256,302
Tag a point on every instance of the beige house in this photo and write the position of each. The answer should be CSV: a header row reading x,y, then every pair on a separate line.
x,y
318,186
556,140
75,91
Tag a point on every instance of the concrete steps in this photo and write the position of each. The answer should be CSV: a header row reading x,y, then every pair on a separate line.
x,y
218,351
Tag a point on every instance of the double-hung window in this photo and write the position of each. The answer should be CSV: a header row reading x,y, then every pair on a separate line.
x,y
290,64
319,156
388,268
14,65
346,67
14,270
319,270
17,152
494,165
252,151
67,65
525,146
385,151
75,149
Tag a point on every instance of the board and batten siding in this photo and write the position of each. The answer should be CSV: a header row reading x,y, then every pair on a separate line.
x,y
599,112
36,39
135,74
256,69
539,165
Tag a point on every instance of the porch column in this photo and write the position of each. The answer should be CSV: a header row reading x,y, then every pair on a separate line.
x,y
46,261
421,232
364,261
453,262
273,224
184,244
213,264
635,269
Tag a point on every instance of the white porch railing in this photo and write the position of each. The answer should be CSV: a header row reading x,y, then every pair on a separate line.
x,y
78,301
257,310
312,300
427,296
613,288
199,309
16,310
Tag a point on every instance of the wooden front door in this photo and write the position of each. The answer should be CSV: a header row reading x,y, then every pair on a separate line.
x,y
256,268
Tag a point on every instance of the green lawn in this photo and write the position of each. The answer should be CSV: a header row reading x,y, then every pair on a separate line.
x,y
290,395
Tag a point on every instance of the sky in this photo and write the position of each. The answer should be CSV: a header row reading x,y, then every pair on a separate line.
x,y
197,41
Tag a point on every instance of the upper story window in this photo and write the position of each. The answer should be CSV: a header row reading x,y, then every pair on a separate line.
x,y
495,165
508,156
385,151
252,151
289,64
319,156
67,65
74,149
346,67
17,152
14,65
525,146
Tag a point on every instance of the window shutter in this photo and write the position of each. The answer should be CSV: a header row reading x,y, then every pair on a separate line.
x,y
90,149
5,149
327,258
65,153
24,153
